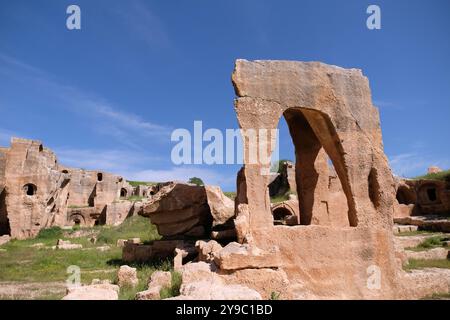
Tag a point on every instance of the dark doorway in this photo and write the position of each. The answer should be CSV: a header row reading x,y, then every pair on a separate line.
x,y
4,221
432,195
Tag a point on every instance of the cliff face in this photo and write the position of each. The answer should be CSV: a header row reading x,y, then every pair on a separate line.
x,y
36,192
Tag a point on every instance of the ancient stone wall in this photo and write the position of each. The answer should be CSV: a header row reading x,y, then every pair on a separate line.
x,y
330,115
35,189
36,192
422,197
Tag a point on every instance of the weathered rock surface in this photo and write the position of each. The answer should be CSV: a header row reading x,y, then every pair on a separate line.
x,y
431,254
160,279
127,276
152,293
93,292
421,197
181,209
205,290
222,207
330,116
178,208
419,284
235,256
207,250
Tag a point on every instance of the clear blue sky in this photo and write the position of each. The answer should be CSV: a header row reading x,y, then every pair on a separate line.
x,y
108,96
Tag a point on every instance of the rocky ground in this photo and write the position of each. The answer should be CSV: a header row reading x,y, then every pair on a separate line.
x,y
37,268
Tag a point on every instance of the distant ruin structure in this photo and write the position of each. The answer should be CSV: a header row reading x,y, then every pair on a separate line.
x,y
37,192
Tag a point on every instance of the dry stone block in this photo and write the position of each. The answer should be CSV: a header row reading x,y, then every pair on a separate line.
x,y
236,256
127,276
160,279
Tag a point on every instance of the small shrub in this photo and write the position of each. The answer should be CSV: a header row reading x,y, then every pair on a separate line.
x,y
431,243
50,233
275,295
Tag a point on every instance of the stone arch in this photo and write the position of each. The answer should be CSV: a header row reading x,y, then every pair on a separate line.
x,y
285,213
30,189
123,192
315,138
77,219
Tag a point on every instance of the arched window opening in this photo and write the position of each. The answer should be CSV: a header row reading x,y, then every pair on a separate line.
x,y
123,192
99,176
316,146
30,189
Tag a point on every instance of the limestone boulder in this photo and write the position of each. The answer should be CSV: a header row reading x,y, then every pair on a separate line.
x,y
160,279
207,290
127,276
152,293
178,208
181,209
235,256
207,250
222,207
431,254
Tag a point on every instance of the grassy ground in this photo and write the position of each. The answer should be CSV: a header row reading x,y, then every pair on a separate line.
x,y
444,175
133,198
230,194
23,263
144,183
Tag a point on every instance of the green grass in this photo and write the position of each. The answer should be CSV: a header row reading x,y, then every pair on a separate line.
x,y
142,183
444,175
414,233
174,289
420,264
281,198
50,233
230,194
134,227
430,243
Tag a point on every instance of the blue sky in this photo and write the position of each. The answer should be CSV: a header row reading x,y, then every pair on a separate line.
x,y
109,95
